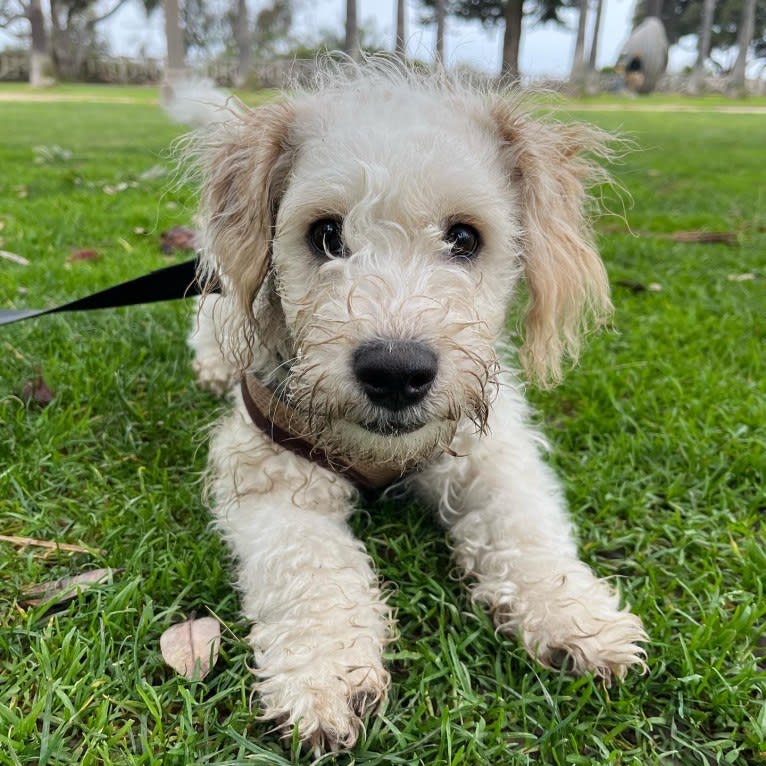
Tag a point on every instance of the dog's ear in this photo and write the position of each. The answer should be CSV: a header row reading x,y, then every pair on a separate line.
x,y
245,163
552,166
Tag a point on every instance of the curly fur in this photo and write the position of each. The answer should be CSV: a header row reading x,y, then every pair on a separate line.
x,y
398,157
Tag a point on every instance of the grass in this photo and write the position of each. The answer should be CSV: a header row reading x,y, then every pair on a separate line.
x,y
658,433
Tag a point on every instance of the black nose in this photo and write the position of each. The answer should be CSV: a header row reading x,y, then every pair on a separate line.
x,y
395,374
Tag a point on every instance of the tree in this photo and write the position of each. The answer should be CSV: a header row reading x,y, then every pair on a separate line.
x,y
16,15
577,75
703,47
272,29
401,40
684,17
351,47
440,11
244,39
73,32
510,13
736,83
175,64
591,77
596,32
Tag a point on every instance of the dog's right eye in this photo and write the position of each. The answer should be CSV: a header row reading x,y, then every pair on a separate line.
x,y
325,237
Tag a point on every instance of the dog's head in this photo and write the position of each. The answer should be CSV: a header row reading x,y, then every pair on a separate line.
x,y
372,234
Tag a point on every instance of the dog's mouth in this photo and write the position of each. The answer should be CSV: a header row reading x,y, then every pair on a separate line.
x,y
388,427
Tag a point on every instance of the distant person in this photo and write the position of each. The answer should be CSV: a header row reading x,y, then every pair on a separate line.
x,y
644,57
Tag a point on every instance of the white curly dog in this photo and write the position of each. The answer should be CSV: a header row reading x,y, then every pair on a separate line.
x,y
368,237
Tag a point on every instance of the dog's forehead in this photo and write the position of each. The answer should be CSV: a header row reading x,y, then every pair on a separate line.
x,y
380,120
393,140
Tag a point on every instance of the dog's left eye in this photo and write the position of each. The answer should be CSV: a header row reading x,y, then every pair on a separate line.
x,y
325,237
463,239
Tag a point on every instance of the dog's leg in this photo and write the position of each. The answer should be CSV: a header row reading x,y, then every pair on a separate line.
x,y
507,520
319,623
206,339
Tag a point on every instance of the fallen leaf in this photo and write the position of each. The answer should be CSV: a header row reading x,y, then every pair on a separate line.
x,y
83,255
153,173
65,588
120,187
37,392
191,647
49,544
46,154
178,238
639,287
706,237
20,259
741,277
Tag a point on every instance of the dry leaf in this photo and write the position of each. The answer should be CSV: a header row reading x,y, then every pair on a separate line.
x,y
13,257
37,392
706,237
747,277
153,173
191,647
66,588
49,544
85,254
178,238
120,187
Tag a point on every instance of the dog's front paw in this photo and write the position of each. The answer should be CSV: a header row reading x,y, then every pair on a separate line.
x,y
574,620
327,704
604,644
214,374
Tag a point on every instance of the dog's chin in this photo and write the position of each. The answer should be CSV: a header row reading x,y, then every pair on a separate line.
x,y
400,446
392,428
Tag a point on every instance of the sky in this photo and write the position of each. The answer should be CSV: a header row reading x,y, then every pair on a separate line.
x,y
546,50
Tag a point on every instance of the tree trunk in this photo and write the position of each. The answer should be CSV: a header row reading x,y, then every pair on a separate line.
x,y
514,12
401,41
697,79
577,75
244,44
592,83
596,33
39,61
736,85
441,15
175,66
352,31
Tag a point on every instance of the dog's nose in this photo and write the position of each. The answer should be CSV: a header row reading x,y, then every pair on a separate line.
x,y
395,374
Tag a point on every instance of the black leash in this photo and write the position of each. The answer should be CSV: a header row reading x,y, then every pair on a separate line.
x,y
168,284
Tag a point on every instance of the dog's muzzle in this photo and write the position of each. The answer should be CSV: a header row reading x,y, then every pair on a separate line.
x,y
395,375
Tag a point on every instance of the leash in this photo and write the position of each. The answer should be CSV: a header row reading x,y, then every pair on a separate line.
x,y
268,412
171,283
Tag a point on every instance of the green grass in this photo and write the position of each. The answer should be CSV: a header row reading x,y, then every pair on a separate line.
x,y
659,435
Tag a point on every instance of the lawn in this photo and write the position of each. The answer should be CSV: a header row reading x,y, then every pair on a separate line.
x,y
659,434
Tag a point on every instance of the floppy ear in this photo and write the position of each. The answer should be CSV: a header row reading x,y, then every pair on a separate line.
x,y
245,163
552,166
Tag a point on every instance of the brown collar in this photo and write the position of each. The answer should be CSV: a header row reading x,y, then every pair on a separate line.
x,y
286,427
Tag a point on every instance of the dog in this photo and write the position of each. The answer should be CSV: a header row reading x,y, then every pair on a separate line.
x,y
368,238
